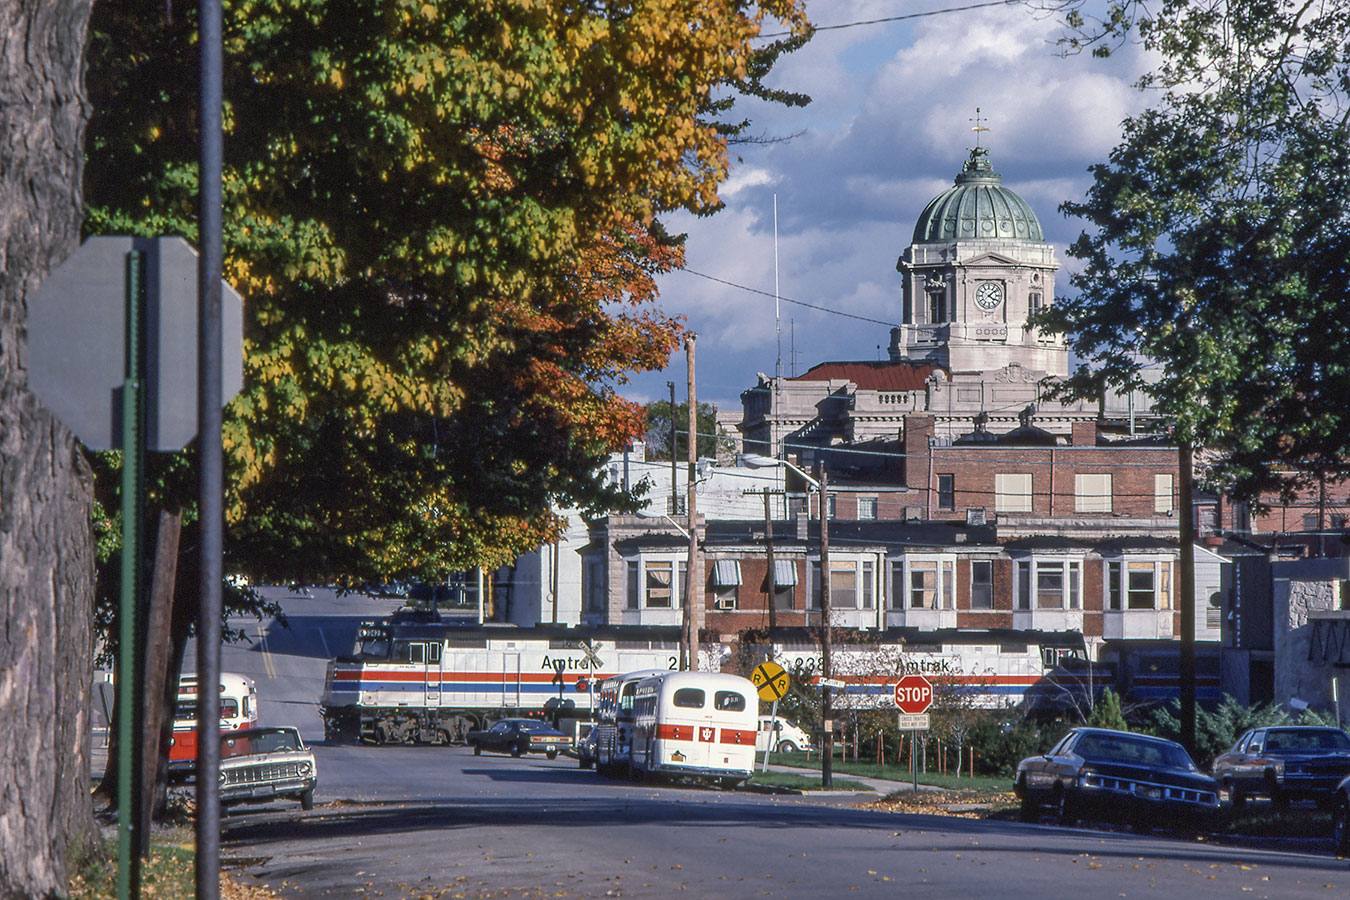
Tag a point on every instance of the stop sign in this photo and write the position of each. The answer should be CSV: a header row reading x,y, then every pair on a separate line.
x,y
913,694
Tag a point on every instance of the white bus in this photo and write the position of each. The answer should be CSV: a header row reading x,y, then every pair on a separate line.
x,y
699,725
614,702
238,709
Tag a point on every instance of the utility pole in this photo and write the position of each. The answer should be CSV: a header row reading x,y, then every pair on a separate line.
x,y
674,455
693,582
772,579
1185,455
826,670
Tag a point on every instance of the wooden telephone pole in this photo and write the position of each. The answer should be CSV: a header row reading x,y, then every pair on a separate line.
x,y
693,582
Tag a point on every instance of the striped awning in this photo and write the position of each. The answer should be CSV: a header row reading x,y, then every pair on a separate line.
x,y
726,573
784,573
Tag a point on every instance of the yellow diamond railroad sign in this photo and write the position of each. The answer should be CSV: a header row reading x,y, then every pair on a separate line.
x,y
771,680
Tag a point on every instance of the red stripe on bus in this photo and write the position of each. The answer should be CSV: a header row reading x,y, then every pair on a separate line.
x,y
667,732
738,736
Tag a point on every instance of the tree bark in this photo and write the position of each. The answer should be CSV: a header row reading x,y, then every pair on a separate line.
x,y
46,545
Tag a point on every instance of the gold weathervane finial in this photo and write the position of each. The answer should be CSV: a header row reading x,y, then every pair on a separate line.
x,y
977,127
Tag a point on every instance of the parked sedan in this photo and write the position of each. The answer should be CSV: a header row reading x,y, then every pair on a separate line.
x,y
1096,773
261,764
517,736
1284,763
1340,819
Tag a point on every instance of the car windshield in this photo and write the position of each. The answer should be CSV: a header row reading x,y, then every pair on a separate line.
x,y
1137,751
248,743
1321,739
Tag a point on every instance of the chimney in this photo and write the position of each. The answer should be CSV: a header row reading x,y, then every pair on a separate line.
x,y
1084,434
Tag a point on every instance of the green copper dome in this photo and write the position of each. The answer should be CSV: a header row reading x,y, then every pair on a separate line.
x,y
977,207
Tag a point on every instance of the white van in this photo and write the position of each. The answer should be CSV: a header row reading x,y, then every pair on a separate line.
x,y
789,738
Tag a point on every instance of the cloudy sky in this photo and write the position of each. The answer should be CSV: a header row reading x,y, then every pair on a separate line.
x,y
888,129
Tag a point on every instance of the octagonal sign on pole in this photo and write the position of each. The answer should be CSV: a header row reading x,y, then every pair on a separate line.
x,y
77,347
913,694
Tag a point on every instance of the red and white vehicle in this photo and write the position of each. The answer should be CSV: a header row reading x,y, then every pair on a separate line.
x,y
699,725
238,709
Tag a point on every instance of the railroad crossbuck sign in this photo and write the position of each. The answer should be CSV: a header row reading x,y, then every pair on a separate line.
x,y
771,680
913,694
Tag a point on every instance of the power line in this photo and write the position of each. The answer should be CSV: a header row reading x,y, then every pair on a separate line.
x,y
814,306
901,18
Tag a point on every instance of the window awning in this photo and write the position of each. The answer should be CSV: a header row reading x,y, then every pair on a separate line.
x,y
784,573
726,573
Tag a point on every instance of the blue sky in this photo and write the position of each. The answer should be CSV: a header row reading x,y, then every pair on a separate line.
x,y
888,130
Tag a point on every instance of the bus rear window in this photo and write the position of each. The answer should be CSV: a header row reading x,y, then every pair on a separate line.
x,y
729,701
688,698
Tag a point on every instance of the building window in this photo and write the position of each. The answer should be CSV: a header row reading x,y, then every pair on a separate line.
x,y
1162,493
868,588
1138,584
830,506
1092,493
923,585
1033,303
1049,584
867,507
1012,493
981,584
631,596
843,584
946,490
785,583
726,583
937,306
660,588
595,586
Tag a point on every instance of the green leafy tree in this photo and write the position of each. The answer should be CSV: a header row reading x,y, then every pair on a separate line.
x,y
657,436
1108,712
1218,235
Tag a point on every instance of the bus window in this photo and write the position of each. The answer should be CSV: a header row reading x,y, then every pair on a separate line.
x,y
626,701
688,698
729,701
229,707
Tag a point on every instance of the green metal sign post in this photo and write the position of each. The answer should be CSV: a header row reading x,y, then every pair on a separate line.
x,y
131,831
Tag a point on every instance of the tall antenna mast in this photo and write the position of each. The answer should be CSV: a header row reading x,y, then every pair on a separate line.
x,y
777,318
778,333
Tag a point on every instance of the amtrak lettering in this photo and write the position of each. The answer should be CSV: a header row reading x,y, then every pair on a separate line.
x,y
565,663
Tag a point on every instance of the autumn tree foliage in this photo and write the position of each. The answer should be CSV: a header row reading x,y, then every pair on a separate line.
x,y
444,220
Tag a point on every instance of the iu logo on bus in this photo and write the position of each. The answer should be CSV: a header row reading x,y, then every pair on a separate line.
x,y
706,734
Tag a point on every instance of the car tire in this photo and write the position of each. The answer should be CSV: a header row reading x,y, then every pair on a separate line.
x,y
552,754
1028,809
307,799
1066,812
786,747
517,750
585,762
477,749
1340,827
1236,799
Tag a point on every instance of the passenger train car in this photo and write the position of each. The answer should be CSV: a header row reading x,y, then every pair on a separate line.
x,y
414,680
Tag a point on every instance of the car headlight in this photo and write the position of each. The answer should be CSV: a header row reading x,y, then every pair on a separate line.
x,y
221,779
305,768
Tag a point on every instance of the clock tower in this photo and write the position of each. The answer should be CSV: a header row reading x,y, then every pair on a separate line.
x,y
977,268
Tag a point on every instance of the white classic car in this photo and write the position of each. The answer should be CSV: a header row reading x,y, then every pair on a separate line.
x,y
261,764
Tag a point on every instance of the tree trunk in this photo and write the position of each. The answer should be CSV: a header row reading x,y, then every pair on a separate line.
x,y
46,545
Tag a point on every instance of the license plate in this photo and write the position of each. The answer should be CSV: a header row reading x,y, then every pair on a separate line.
x,y
1146,790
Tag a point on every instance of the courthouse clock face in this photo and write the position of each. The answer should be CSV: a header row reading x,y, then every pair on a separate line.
x,y
989,295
